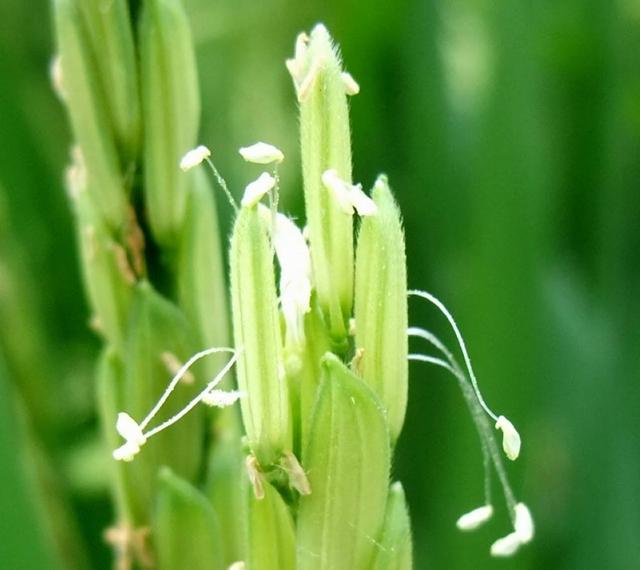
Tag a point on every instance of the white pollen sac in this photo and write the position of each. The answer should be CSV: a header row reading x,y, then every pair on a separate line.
x,y
126,452
340,189
295,65
523,525
506,546
129,429
351,86
194,157
294,259
349,196
364,205
475,518
510,438
257,189
261,153
222,398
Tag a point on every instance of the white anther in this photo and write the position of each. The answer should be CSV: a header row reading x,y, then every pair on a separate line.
x,y
257,189
523,524
222,398
129,429
340,189
473,519
194,157
261,153
506,546
126,452
294,259
349,196
364,205
295,65
510,438
351,86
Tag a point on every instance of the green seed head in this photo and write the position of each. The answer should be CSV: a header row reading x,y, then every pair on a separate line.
x,y
86,99
256,327
171,112
326,145
381,305
110,31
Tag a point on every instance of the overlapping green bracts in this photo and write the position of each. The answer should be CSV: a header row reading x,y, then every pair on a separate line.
x,y
381,306
266,411
348,461
171,112
325,143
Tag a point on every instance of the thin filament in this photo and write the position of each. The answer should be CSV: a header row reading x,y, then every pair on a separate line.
x,y
179,375
429,297
490,451
223,184
193,403
452,366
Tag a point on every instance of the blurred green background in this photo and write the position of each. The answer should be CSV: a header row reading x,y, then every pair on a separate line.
x,y
510,131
